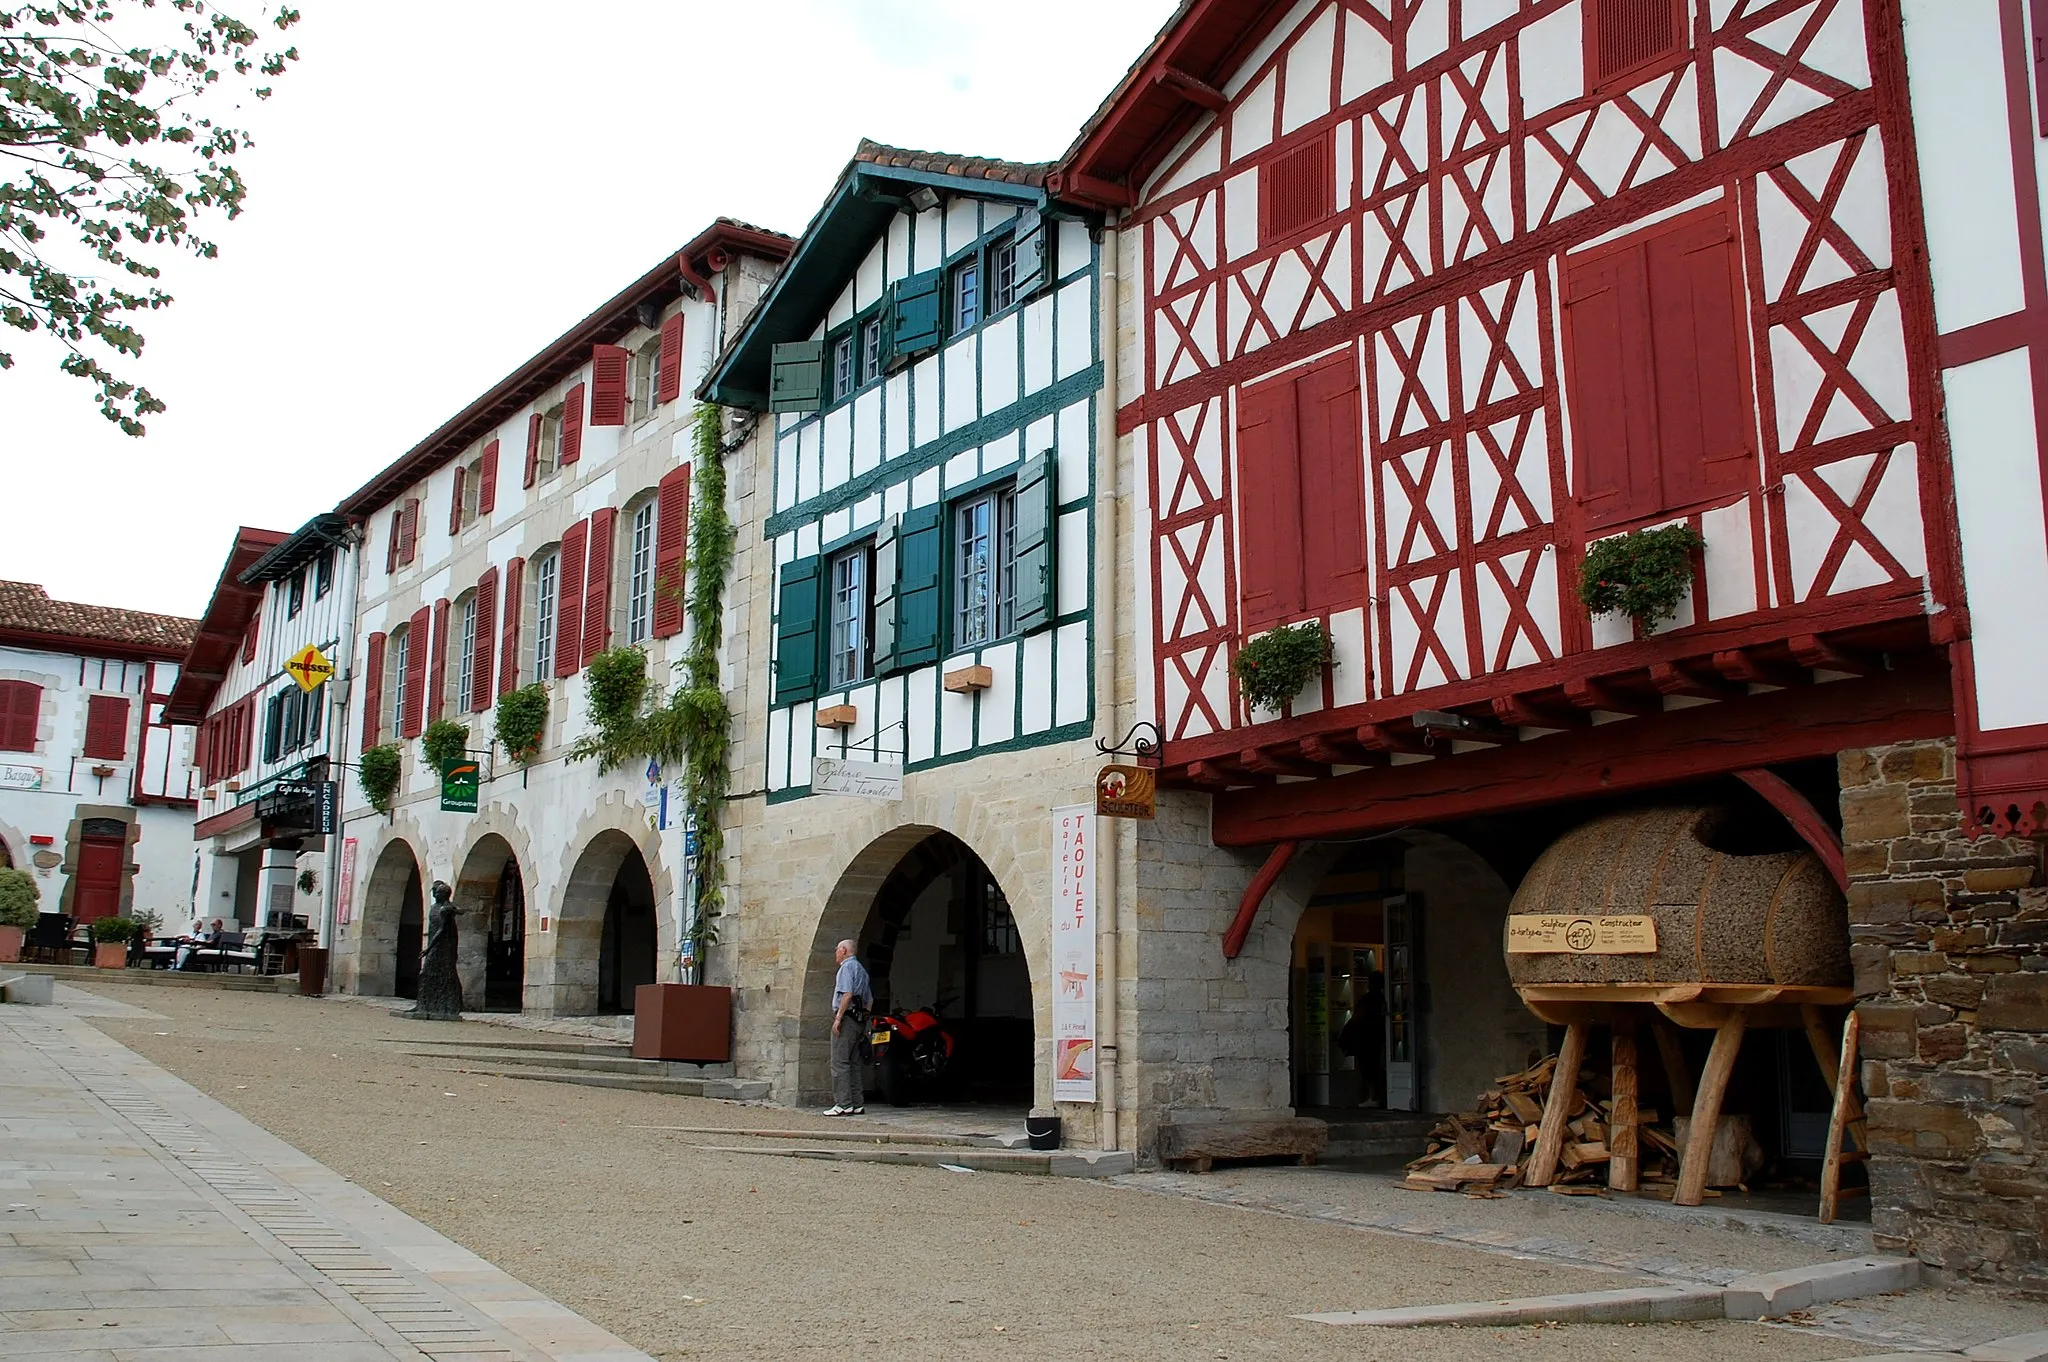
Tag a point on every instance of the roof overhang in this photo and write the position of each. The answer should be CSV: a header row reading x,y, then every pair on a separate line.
x,y
41,641
709,251
827,254
1176,83
219,639
324,531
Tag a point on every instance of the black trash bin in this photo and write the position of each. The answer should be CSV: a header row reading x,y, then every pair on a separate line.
x,y
1042,1132
312,971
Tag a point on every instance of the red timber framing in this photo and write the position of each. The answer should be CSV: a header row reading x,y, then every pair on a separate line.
x,y
1477,164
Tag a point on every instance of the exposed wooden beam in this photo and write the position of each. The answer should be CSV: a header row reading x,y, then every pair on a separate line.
x,y
1204,776
1254,895
1806,820
1672,678
1742,664
1386,738
1193,89
1811,650
1517,710
1597,695
1334,750
1454,727
1276,761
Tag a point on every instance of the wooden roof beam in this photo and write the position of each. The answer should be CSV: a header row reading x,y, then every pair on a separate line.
x,y
1588,694
1522,712
1743,664
1277,761
1811,650
1671,678
1192,88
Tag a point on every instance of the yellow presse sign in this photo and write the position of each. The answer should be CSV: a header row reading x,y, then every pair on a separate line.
x,y
309,667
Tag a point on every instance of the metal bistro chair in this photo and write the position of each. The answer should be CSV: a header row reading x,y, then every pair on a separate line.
x,y
49,941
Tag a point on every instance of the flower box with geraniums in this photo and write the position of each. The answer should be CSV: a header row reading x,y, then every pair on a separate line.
x,y
444,744
1643,574
18,897
110,938
1279,664
378,772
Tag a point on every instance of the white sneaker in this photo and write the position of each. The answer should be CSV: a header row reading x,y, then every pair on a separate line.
x,y
854,1111
838,1111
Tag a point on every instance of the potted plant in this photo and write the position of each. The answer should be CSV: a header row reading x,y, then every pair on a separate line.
x,y
1643,574
111,936
1277,665
149,923
18,896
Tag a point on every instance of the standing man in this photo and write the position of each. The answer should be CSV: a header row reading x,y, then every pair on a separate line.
x,y
852,995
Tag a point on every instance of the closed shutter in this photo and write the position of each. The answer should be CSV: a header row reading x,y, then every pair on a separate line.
x,y
1609,381
419,645
671,549
668,374
245,734
1036,538
533,425
1034,238
597,583
373,690
569,599
273,727
482,643
572,427
1332,486
609,367
202,750
515,605
884,644
21,712
1297,189
1705,443
1624,37
437,675
796,380
1269,576
918,556
455,502
487,481
106,727
409,530
249,635
797,602
913,317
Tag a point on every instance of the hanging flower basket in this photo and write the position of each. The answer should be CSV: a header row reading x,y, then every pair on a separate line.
x,y
1643,575
1274,667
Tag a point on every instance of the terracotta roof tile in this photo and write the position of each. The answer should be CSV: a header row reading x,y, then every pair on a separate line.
x,y
26,607
945,163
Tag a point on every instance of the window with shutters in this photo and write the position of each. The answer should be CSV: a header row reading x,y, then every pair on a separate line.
x,y
472,491
870,332
1628,41
1657,371
323,574
849,634
842,365
465,668
984,568
1002,274
647,381
546,600
1300,495
640,574
547,457
399,661
1297,189
964,293
106,727
295,594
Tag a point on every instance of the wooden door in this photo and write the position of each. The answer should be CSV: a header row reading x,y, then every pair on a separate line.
x,y
96,882
1404,1010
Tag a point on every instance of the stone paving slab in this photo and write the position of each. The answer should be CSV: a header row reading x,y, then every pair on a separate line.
x,y
141,1221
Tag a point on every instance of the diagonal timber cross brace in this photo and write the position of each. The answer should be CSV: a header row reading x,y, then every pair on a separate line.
x,y
1254,895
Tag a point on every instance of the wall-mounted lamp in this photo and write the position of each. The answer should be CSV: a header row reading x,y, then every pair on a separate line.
x,y
1432,722
924,198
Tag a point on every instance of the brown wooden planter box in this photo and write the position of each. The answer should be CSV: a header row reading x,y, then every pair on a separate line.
x,y
683,1021
110,954
10,944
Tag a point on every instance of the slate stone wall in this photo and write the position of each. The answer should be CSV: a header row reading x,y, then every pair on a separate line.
x,y
1950,944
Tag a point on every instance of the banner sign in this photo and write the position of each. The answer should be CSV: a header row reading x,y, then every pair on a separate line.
x,y
1559,934
1126,792
1073,954
860,779
346,887
460,781
21,777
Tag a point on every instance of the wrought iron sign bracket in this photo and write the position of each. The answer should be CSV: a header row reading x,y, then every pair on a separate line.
x,y
1134,744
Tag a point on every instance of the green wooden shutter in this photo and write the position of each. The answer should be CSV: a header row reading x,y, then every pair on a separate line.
x,y
913,320
1037,534
797,378
884,642
796,631
918,540
1034,240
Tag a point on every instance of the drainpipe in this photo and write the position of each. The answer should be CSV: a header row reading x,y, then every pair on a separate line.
x,y
1108,884
338,709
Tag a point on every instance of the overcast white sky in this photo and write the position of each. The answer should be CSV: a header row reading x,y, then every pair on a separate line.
x,y
441,187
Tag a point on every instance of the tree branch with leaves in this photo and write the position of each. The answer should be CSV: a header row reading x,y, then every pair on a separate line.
x,y
112,148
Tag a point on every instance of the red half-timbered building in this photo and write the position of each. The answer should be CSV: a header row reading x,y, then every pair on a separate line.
x,y
1427,299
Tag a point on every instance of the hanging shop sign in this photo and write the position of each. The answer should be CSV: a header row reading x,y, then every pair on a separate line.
x,y
859,779
299,806
460,781
1562,934
1073,954
21,777
310,668
1126,792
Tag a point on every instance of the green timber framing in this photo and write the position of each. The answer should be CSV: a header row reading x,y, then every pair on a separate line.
x,y
782,361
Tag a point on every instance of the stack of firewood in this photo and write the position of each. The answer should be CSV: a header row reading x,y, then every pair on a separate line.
x,y
1487,1151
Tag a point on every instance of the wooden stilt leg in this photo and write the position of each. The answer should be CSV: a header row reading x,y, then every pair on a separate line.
x,y
1623,1164
1557,1106
1675,1071
1838,1117
1706,1110
1824,1055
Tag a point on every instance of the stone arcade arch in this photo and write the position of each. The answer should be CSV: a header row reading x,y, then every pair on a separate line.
x,y
490,899
391,924
608,935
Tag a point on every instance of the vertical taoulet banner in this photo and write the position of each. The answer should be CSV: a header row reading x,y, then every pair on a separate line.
x,y
1073,954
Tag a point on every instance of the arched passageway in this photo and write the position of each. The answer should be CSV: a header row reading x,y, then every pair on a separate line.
x,y
394,913
490,895
608,940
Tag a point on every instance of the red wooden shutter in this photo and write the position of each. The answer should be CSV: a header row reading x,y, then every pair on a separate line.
x,y
487,481
455,502
1332,486
1609,382
515,602
202,744
1297,189
106,726
533,424
409,530
1705,424
485,639
597,583
245,734
373,690
21,712
249,634
437,678
572,427
1626,37
609,366
1268,505
418,648
569,599
671,549
668,373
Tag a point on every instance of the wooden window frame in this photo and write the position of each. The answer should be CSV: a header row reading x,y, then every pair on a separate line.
x,y
546,571
1001,619
397,654
1000,272
963,316
640,536
1600,82
323,574
862,622
465,652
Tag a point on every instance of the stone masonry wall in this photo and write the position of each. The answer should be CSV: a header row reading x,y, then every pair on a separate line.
x,y
1950,942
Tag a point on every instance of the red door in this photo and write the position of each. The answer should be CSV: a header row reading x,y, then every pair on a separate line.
x,y
96,884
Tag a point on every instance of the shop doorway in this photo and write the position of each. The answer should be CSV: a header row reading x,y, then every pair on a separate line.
x,y
101,864
505,946
627,953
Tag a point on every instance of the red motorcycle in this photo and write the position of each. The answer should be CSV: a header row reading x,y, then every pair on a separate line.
x,y
913,1050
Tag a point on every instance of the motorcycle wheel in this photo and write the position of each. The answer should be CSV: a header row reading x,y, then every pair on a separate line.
x,y
895,1080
